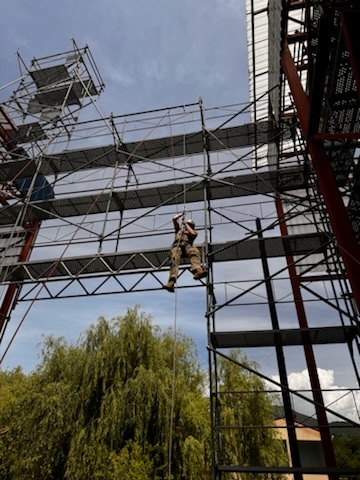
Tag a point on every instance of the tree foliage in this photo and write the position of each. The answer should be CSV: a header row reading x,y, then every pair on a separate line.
x,y
101,410
347,451
127,402
246,411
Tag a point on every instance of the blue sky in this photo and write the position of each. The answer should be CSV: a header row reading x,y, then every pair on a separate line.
x,y
151,54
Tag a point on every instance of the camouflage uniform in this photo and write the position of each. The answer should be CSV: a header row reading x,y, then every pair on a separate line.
x,y
183,248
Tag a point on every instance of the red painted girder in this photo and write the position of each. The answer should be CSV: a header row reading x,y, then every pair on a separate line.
x,y
344,234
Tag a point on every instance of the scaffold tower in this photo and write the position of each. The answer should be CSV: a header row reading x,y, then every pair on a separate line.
x,y
40,115
85,207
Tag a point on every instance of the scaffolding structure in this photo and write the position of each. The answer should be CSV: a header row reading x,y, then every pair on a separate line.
x,y
274,197
40,116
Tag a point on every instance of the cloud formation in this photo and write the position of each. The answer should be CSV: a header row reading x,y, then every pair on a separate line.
x,y
338,398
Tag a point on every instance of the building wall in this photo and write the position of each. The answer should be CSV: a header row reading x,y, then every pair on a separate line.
x,y
310,449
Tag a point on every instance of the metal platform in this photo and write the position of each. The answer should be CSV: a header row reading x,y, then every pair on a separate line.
x,y
147,150
271,338
226,187
155,260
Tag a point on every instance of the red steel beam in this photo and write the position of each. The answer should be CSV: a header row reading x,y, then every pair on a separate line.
x,y
339,218
324,429
12,289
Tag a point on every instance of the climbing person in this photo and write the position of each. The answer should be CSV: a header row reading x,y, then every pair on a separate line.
x,y
183,248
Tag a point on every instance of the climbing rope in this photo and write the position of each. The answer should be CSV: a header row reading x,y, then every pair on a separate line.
x,y
78,227
172,402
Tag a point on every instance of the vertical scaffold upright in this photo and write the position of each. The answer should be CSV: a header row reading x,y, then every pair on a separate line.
x,y
278,286
304,75
40,113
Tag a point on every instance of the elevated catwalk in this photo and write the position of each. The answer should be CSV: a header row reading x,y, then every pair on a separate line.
x,y
80,207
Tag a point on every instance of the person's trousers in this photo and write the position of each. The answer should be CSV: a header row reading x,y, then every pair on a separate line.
x,y
184,251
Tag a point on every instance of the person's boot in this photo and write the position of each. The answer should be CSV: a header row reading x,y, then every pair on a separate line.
x,y
170,285
200,273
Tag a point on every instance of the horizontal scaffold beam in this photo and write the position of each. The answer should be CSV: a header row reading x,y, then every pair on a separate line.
x,y
286,337
156,260
122,200
227,138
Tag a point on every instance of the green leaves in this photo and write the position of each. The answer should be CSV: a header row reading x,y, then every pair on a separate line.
x,y
129,402
246,410
102,409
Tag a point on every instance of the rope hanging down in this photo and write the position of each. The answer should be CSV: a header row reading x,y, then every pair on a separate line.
x,y
77,227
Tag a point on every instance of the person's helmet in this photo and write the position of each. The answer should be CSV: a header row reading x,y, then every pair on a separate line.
x,y
191,222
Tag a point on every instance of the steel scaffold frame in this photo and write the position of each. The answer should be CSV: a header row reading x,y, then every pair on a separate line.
x,y
138,182
341,258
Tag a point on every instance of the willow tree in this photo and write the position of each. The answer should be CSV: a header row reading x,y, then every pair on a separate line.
x,y
248,438
127,402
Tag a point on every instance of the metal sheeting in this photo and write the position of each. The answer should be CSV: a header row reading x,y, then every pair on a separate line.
x,y
152,149
154,260
270,338
44,77
226,187
273,246
28,132
10,169
70,94
258,54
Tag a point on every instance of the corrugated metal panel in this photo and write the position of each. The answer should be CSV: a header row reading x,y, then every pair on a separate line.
x,y
257,21
274,40
264,17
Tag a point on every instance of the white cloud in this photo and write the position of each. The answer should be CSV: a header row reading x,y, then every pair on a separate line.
x,y
338,398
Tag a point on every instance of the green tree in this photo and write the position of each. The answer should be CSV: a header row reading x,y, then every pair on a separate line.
x,y
13,386
246,413
127,402
347,451
102,409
